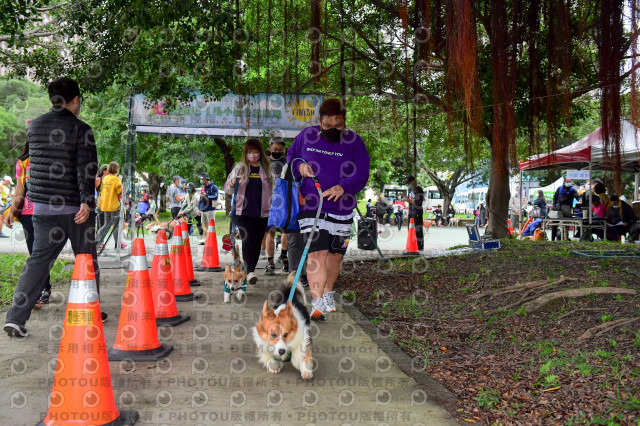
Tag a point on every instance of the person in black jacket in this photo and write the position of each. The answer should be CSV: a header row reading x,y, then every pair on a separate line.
x,y
620,218
64,164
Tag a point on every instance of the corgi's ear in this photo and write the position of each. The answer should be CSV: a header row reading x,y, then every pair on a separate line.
x,y
227,268
265,309
289,308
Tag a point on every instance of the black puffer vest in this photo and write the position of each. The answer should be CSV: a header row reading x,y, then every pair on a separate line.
x,y
63,159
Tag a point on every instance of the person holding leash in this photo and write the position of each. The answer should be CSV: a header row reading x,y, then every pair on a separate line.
x,y
339,160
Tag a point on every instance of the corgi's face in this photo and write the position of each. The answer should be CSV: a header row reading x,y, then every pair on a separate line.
x,y
277,327
234,276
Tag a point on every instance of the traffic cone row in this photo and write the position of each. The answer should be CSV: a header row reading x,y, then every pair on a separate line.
x,y
181,287
82,389
187,255
137,336
164,300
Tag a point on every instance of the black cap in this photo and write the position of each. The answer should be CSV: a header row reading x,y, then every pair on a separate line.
x,y
410,178
191,186
204,175
597,180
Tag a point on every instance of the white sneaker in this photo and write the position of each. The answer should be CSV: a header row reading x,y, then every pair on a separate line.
x,y
252,278
329,303
201,242
318,310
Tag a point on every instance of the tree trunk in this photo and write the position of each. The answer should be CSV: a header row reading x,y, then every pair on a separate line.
x,y
498,192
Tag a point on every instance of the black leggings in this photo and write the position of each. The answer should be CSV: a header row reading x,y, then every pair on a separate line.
x,y
27,226
252,231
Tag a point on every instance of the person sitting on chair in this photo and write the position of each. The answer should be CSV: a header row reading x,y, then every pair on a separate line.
x,y
620,218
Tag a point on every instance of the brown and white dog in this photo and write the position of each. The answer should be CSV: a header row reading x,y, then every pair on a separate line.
x,y
235,278
283,334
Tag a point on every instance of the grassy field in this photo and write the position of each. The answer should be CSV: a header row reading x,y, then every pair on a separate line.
x,y
11,266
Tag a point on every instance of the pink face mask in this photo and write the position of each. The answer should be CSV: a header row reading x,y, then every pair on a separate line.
x,y
253,157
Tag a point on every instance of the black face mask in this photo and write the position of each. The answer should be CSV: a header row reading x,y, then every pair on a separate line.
x,y
276,155
332,134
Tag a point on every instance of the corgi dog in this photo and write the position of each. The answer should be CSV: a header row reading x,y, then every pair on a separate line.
x,y
454,221
235,278
283,333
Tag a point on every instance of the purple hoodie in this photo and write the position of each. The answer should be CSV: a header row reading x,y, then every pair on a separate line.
x,y
344,163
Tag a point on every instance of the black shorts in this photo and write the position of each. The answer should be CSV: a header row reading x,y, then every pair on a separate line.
x,y
323,240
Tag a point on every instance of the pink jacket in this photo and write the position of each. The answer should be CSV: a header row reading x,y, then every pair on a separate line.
x,y
267,189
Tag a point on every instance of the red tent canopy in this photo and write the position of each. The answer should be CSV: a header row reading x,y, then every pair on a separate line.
x,y
590,149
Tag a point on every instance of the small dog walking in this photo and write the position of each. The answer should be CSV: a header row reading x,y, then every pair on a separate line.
x,y
235,278
283,333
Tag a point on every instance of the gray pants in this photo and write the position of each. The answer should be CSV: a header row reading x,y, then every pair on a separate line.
x,y
108,216
50,236
296,247
206,216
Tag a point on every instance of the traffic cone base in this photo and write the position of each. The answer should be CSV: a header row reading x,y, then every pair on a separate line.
x,y
210,260
126,418
173,321
194,283
135,355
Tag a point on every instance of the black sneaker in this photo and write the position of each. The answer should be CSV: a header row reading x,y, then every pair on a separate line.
x,y
304,281
45,296
104,316
271,269
15,330
285,264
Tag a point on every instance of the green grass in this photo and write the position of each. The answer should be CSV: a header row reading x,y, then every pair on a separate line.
x,y
11,266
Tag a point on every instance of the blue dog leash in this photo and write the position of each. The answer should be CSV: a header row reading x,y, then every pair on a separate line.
x,y
306,247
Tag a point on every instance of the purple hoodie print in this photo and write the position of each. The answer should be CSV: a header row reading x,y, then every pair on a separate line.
x,y
344,163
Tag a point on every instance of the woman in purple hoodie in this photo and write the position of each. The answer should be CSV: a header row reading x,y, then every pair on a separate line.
x,y
339,159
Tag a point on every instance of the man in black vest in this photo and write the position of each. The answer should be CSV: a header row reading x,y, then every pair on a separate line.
x,y
64,164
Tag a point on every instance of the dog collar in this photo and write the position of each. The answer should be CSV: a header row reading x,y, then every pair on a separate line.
x,y
243,287
287,357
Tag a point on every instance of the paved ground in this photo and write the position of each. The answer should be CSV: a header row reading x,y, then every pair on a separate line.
x,y
212,377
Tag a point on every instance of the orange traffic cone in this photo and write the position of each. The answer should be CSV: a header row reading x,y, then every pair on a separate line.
x,y
510,227
210,261
412,241
187,255
82,389
164,301
137,336
181,287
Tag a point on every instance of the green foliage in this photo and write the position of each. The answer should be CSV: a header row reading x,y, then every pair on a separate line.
x,y
487,398
20,100
11,266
